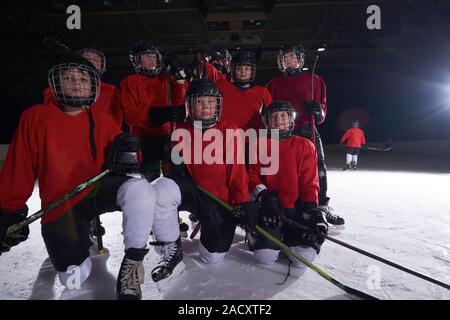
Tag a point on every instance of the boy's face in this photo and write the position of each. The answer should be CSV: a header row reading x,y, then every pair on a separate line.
x,y
93,58
76,83
243,72
291,60
279,120
204,107
149,61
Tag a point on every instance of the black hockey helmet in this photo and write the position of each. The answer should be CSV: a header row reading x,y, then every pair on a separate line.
x,y
299,52
222,57
246,58
141,48
198,89
355,123
102,68
280,106
74,82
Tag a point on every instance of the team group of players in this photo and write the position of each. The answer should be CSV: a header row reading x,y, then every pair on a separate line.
x,y
78,131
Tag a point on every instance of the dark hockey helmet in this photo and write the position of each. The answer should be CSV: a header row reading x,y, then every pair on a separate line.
x,y
243,58
355,123
286,58
87,54
273,121
204,103
75,82
147,67
221,55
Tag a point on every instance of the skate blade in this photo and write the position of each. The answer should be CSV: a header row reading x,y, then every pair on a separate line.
x,y
164,284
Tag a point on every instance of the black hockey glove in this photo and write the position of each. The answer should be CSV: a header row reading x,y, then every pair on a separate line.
x,y
247,214
306,228
314,107
364,147
124,155
175,67
160,115
13,239
271,210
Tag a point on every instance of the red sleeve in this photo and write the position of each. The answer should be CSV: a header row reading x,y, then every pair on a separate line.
x,y
345,136
237,180
213,74
321,96
267,97
254,171
178,92
363,139
307,172
134,112
19,172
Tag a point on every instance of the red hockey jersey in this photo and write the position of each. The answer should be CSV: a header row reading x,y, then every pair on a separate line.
x,y
229,182
139,93
353,138
296,90
108,101
54,148
241,108
297,175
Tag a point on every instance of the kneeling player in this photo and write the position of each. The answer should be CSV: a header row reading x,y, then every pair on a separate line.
x,y
63,143
289,197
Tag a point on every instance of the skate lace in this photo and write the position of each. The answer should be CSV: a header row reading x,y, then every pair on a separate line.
x,y
168,251
129,282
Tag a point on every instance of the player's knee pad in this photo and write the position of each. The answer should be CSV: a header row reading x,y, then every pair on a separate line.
x,y
306,252
136,191
210,257
168,194
74,276
266,256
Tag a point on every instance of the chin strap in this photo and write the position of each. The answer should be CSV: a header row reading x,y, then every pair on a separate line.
x,y
92,134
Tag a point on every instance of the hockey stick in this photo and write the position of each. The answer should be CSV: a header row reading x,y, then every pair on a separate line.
x,y
381,149
293,253
313,120
57,203
392,264
57,46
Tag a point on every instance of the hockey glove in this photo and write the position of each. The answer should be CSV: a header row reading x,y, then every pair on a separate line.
x,y
271,210
13,239
160,115
175,67
314,107
124,155
247,214
306,228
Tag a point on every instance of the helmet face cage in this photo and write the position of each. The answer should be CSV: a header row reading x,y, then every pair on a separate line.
x,y
74,84
269,117
102,69
286,54
210,106
355,124
136,60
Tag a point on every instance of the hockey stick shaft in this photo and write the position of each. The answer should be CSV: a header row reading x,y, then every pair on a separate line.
x,y
293,253
57,203
390,263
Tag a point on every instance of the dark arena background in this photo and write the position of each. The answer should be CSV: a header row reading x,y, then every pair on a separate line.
x,y
385,63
